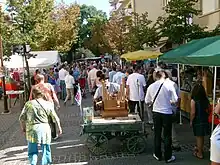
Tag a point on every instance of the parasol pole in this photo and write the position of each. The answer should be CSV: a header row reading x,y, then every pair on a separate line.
x,y
178,81
157,61
214,97
140,106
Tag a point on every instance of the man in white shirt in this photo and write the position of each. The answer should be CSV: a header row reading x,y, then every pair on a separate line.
x,y
135,91
117,78
92,77
162,114
69,82
112,88
62,75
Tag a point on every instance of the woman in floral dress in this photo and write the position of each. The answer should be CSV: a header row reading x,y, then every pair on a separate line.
x,y
35,125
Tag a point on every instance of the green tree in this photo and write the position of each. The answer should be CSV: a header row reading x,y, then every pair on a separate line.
x,y
30,20
7,34
115,34
28,25
97,42
141,33
82,52
89,16
176,25
214,32
62,28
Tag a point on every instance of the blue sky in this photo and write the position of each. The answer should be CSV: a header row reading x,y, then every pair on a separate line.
x,y
99,4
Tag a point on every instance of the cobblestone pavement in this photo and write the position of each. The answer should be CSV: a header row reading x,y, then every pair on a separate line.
x,y
8,122
70,148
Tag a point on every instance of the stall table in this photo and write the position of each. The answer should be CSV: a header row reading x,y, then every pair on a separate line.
x,y
185,103
20,97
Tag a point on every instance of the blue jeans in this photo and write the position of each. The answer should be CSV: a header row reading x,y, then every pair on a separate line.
x,y
33,153
63,89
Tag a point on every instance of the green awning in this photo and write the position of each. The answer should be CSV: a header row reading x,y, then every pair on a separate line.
x,y
204,52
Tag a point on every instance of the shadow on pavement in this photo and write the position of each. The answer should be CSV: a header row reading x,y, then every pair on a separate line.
x,y
70,148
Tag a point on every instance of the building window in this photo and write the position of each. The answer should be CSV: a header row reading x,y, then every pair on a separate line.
x,y
165,2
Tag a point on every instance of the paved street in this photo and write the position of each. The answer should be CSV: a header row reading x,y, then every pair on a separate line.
x,y
70,149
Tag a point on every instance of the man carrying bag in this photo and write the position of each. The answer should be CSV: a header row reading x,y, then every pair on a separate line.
x,y
162,114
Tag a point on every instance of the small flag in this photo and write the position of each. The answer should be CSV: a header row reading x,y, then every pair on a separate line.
x,y
78,96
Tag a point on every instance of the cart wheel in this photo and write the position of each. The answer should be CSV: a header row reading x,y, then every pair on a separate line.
x,y
97,143
136,144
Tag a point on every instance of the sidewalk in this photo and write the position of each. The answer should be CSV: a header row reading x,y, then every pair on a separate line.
x,y
181,159
8,122
70,148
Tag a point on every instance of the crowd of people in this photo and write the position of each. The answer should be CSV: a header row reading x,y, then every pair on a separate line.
x,y
157,87
151,89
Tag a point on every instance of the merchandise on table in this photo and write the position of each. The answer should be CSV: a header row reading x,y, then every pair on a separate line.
x,y
88,115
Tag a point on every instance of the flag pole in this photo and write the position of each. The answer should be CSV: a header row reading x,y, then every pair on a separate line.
x,y
78,99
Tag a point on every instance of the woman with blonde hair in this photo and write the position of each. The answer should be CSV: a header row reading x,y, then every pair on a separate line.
x,y
35,125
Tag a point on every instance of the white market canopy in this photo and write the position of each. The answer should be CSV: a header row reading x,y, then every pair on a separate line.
x,y
42,60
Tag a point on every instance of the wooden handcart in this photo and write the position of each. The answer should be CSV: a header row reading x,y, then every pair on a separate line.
x,y
113,122
130,130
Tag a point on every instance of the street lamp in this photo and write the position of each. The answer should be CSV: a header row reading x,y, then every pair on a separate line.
x,y
6,111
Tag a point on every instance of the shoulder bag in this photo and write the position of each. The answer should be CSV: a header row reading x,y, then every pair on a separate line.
x,y
48,117
158,91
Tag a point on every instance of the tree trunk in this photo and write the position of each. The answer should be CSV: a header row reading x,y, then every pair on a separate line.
x,y
28,88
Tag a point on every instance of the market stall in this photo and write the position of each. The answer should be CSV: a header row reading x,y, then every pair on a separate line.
x,y
203,52
43,59
15,71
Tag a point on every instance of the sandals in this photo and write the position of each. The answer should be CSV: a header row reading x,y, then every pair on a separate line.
x,y
198,156
195,149
195,153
